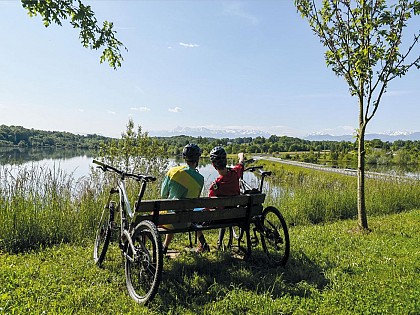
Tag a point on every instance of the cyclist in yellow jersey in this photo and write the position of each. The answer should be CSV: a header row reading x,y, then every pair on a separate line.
x,y
183,182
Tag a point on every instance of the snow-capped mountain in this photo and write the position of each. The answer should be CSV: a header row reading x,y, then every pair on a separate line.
x,y
230,133
391,136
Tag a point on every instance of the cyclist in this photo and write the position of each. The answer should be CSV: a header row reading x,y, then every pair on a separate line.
x,y
227,183
183,182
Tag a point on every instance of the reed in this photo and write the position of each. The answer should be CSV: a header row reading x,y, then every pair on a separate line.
x,y
307,196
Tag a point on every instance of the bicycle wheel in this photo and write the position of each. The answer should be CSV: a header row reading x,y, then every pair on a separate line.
x,y
103,234
275,236
144,264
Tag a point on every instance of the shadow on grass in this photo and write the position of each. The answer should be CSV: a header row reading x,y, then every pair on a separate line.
x,y
192,280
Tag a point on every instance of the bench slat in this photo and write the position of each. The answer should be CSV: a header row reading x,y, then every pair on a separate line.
x,y
202,216
198,216
204,202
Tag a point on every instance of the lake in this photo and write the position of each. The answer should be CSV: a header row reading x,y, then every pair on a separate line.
x,y
79,162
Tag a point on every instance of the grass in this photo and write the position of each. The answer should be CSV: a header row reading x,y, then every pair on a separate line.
x,y
332,270
307,196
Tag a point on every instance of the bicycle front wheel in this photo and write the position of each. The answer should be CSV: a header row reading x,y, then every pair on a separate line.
x,y
143,262
103,234
275,236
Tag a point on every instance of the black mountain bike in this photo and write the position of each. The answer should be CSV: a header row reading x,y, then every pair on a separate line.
x,y
140,244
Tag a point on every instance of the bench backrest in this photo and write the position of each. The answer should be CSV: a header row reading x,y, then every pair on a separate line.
x,y
240,207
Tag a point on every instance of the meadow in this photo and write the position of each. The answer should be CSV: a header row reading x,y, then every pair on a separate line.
x,y
331,271
46,240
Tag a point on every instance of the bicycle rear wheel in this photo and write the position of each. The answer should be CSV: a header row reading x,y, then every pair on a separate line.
x,y
103,234
144,264
275,236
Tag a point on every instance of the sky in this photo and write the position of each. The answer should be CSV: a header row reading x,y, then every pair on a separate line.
x,y
252,65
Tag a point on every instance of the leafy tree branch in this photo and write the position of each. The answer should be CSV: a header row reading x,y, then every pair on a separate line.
x,y
82,17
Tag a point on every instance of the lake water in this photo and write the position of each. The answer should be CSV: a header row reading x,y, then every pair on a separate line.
x,y
79,162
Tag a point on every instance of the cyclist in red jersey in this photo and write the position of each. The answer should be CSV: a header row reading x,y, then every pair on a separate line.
x,y
227,183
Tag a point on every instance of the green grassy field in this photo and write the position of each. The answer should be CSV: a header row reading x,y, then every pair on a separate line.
x,y
331,271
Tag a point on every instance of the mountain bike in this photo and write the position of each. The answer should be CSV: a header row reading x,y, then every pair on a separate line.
x,y
140,244
270,225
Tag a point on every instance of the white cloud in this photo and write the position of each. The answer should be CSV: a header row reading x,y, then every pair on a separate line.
x,y
188,45
110,112
141,109
175,110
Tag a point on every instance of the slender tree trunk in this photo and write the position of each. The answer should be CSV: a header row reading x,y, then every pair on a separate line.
x,y
361,207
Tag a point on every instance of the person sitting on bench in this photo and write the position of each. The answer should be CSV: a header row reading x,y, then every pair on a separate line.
x,y
227,183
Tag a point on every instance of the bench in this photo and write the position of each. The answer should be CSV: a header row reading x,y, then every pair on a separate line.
x,y
214,213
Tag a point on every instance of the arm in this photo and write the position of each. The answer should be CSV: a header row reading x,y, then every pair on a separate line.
x,y
164,191
241,158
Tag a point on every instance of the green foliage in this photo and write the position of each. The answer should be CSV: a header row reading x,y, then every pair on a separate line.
x,y
327,274
136,152
23,137
81,17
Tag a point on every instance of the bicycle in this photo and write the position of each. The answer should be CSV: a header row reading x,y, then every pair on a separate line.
x,y
140,244
270,225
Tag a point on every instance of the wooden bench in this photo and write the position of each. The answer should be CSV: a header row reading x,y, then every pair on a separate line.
x,y
206,213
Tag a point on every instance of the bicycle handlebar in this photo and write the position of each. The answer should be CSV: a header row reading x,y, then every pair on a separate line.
x,y
138,177
258,167
253,168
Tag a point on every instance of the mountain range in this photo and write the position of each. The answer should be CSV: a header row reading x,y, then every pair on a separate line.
x,y
413,136
233,133
204,132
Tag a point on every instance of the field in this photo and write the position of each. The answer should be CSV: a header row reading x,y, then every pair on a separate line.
x,y
331,271
48,221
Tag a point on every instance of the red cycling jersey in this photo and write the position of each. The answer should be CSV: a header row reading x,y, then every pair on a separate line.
x,y
227,185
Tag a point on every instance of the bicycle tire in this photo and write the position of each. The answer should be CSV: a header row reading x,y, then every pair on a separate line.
x,y
275,236
103,233
143,268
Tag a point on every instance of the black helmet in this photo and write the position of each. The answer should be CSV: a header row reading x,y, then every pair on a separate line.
x,y
191,152
218,157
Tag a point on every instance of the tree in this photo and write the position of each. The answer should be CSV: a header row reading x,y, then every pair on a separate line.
x,y
82,17
363,39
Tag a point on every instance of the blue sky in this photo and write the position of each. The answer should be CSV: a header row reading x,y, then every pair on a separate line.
x,y
215,64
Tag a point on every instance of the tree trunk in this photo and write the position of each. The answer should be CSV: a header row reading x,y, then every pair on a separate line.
x,y
361,207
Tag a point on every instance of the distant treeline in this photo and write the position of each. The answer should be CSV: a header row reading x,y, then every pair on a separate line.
x,y
23,137
401,152
334,152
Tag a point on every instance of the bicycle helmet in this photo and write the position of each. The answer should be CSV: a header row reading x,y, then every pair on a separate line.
x,y
218,157
191,152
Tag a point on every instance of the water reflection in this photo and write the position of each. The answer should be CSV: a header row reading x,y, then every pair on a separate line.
x,y
19,156
79,162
